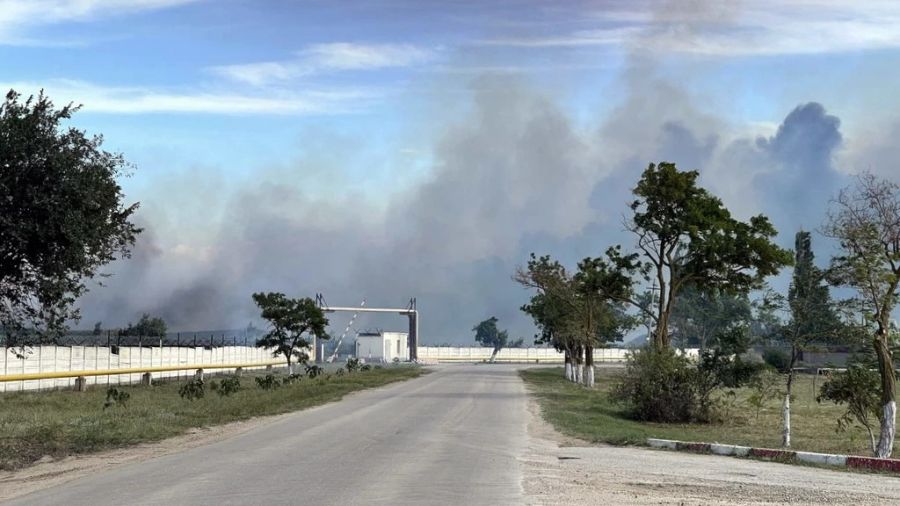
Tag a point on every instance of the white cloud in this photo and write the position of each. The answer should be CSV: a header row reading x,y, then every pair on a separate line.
x,y
136,100
18,16
322,58
752,28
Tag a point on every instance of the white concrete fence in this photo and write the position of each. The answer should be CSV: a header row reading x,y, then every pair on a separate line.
x,y
49,358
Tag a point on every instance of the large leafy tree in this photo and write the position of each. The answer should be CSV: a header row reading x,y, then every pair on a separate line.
x,y
575,313
865,219
686,236
487,334
62,217
290,322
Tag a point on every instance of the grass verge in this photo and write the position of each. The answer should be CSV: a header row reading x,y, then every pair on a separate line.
x,y
61,423
590,415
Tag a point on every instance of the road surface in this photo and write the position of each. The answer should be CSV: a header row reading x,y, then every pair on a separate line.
x,y
464,434
450,437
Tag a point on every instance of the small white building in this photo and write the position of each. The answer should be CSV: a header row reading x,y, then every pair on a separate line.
x,y
380,346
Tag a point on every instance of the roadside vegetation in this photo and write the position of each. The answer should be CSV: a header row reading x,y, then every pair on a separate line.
x,y
697,277
61,423
594,416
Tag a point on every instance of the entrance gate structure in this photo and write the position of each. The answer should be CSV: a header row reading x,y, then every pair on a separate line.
x,y
410,312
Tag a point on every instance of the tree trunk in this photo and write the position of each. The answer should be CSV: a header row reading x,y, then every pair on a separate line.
x,y
888,386
589,366
570,374
579,367
786,408
290,365
786,416
494,355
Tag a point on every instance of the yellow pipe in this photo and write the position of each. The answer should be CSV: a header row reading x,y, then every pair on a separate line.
x,y
110,372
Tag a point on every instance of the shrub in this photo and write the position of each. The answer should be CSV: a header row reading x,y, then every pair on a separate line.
x,y
658,386
193,389
268,382
858,387
116,397
780,360
339,372
365,367
765,387
290,379
352,364
227,386
313,370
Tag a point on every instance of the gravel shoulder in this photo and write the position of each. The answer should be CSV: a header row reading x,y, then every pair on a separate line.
x,y
562,470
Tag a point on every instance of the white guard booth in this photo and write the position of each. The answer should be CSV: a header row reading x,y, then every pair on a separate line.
x,y
382,346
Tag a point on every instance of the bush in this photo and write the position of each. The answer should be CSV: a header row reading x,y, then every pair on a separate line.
x,y
227,386
313,370
859,388
778,359
658,386
663,386
339,372
766,387
268,382
193,389
116,397
365,367
291,379
352,364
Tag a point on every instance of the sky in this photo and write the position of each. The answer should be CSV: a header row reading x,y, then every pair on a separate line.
x,y
391,149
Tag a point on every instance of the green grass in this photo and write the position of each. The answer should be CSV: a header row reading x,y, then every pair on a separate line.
x,y
62,423
591,415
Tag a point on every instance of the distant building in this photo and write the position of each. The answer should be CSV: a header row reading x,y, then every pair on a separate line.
x,y
380,346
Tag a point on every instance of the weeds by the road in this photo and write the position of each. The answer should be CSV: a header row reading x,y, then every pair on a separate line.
x,y
60,423
591,415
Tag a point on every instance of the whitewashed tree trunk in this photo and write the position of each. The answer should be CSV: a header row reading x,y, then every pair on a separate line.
x,y
579,373
786,417
570,374
494,355
888,428
290,368
589,376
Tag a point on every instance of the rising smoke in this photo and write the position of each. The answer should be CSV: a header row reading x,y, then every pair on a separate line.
x,y
514,175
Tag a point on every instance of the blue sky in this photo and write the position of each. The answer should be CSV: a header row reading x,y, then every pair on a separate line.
x,y
359,112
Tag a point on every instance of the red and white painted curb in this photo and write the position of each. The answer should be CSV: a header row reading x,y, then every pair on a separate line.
x,y
826,459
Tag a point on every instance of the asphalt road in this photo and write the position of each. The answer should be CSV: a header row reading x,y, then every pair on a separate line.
x,y
450,437
463,435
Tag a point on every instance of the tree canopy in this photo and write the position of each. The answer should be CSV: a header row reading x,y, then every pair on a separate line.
x,y
147,326
686,236
290,320
487,334
62,216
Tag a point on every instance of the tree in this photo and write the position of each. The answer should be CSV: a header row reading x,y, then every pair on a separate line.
x,y
487,334
575,313
289,320
685,236
147,326
62,217
865,219
812,317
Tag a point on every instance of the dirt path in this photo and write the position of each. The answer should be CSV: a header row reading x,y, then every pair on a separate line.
x,y
560,470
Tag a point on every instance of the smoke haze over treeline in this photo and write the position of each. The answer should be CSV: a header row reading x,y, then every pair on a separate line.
x,y
510,169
